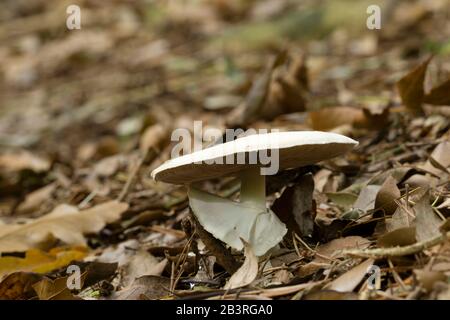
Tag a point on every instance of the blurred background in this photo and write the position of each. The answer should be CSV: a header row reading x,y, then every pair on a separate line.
x,y
73,97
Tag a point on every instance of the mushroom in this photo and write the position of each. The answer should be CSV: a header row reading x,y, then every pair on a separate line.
x,y
249,219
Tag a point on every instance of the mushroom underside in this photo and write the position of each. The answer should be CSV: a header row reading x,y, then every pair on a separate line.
x,y
249,219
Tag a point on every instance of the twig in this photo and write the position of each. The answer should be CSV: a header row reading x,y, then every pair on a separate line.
x,y
398,251
397,277
310,249
130,179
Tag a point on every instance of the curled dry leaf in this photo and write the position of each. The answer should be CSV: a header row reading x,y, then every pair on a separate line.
x,y
154,137
247,273
65,223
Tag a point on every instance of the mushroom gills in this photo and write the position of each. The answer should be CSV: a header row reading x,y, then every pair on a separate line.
x,y
229,221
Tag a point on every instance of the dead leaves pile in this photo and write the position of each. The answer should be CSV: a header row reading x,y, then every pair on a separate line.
x,y
92,123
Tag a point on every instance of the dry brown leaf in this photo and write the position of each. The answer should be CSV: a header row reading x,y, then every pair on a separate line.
x,y
367,197
65,222
17,161
57,289
141,264
439,160
250,109
154,137
333,248
18,286
247,273
387,195
427,222
428,278
400,219
34,199
411,87
295,206
349,280
329,118
439,95
41,262
398,237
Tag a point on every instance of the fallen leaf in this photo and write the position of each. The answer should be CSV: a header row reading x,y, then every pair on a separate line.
x,y
65,222
387,195
17,161
34,199
19,286
38,261
295,206
154,137
329,118
439,95
345,200
141,264
349,280
411,87
400,219
427,223
250,109
439,159
47,289
367,197
428,278
398,237
247,273
333,248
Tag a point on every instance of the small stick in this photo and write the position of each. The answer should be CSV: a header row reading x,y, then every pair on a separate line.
x,y
130,179
398,251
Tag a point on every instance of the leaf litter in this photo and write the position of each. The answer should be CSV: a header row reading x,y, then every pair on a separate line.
x,y
87,115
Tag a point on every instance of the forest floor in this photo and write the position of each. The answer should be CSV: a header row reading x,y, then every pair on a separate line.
x,y
86,115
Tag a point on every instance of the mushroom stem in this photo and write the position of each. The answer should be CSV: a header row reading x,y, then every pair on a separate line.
x,y
253,188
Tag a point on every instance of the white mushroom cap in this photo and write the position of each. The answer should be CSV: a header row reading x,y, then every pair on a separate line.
x,y
296,149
